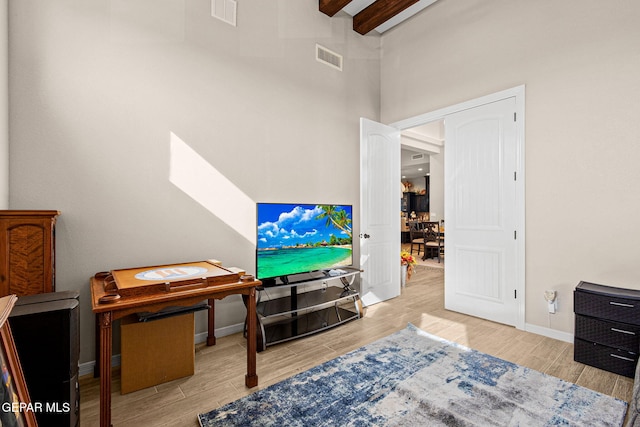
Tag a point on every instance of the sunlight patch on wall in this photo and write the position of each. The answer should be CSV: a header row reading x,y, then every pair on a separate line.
x,y
192,174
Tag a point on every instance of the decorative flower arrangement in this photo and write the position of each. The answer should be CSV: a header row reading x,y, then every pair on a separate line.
x,y
407,259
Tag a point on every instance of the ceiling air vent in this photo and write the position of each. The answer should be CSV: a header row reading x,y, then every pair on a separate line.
x,y
419,156
328,57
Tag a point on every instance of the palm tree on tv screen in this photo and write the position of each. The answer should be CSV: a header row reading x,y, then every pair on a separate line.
x,y
337,217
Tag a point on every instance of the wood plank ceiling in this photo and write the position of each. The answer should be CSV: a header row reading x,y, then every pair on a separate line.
x,y
379,14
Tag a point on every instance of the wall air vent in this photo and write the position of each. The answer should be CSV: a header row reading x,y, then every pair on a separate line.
x,y
225,10
419,156
328,57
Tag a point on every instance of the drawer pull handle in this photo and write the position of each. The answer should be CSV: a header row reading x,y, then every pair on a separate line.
x,y
622,357
622,331
619,304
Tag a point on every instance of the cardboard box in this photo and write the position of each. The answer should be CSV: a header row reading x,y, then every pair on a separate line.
x,y
156,351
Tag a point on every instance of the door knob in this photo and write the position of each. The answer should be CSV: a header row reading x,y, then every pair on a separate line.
x,y
365,235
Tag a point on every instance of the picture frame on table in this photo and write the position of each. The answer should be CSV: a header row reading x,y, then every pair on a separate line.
x,y
16,408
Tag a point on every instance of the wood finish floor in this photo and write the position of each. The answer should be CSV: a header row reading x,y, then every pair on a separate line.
x,y
220,369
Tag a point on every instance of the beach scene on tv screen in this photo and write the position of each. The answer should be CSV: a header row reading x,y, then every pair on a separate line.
x,y
294,238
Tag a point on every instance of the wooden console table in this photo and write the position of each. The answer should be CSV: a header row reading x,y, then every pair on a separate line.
x,y
113,299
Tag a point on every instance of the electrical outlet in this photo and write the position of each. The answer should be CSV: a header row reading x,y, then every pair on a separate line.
x,y
550,296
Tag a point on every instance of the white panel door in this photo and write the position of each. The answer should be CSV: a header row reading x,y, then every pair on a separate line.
x,y
481,212
379,212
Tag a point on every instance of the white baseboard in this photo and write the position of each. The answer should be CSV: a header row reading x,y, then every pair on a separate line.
x,y
549,333
87,367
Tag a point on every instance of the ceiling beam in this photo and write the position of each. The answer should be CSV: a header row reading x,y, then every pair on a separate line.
x,y
377,13
331,7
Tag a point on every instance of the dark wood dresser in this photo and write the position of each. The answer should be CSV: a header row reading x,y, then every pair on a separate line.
x,y
607,329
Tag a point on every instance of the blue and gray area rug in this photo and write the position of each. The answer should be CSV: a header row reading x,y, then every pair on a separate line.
x,y
412,378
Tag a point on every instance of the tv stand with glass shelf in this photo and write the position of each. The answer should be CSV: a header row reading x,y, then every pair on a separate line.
x,y
315,302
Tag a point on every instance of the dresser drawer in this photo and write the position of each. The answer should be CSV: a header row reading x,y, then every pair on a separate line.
x,y
605,302
604,357
614,334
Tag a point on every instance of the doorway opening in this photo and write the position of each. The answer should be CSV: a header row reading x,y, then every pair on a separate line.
x,y
517,94
422,185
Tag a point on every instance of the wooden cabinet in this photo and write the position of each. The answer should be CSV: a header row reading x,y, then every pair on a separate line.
x,y
607,327
405,202
421,203
27,252
416,202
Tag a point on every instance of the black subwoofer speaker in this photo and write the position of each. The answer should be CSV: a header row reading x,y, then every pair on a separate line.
x,y
46,330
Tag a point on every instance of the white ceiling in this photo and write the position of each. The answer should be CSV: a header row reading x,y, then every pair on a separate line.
x,y
425,140
409,168
357,5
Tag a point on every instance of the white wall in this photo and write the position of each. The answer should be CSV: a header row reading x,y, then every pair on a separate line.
x,y
4,105
580,62
98,87
436,186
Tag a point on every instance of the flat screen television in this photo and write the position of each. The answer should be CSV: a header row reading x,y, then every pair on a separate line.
x,y
297,238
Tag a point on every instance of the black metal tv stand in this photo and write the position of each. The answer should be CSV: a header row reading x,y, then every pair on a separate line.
x,y
315,302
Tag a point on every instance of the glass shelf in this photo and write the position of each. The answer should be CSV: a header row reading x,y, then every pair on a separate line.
x,y
314,276
309,323
306,300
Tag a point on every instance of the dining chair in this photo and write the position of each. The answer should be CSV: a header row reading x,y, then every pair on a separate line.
x,y
416,235
433,242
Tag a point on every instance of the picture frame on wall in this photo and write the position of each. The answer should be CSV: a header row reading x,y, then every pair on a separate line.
x,y
16,408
